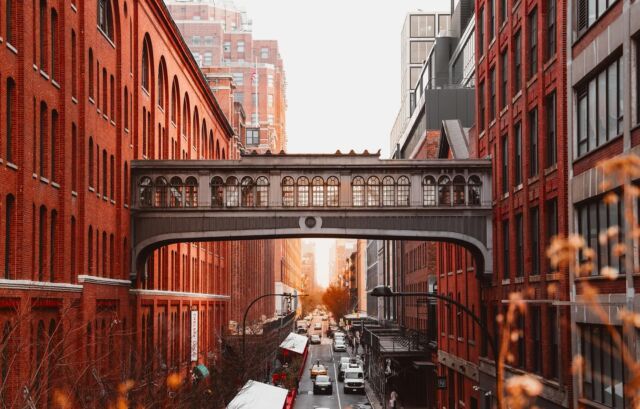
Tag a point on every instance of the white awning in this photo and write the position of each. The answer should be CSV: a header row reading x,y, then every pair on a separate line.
x,y
258,395
295,342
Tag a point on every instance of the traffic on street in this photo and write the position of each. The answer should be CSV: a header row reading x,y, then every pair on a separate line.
x,y
318,392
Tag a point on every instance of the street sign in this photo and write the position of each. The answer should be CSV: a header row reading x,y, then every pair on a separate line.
x,y
194,336
442,382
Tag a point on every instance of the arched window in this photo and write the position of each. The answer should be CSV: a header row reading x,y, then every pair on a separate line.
x,y
288,197
373,191
388,191
41,343
146,67
90,163
191,192
105,18
475,190
217,192
333,192
55,54
162,83
145,192
444,191
247,188
404,188
428,191
125,182
126,108
185,115
175,107
161,188
195,129
302,187
262,192
357,191
54,152
232,192
53,236
317,191
458,190
10,19
175,196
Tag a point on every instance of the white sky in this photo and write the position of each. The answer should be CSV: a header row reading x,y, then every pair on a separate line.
x,y
342,62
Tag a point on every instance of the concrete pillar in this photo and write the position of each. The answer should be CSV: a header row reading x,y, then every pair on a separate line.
x,y
204,188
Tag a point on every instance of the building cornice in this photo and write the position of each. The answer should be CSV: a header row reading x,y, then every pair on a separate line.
x,y
103,280
7,284
162,293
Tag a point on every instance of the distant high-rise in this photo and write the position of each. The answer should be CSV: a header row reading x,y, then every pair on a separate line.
x,y
309,265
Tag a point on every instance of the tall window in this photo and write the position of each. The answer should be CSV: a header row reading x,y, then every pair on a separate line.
x,y
333,191
403,191
217,192
519,246
492,19
428,191
604,374
146,68
533,142
444,191
481,107
72,249
388,191
533,42
492,94
503,11
302,187
43,34
54,44
262,192
552,218
534,232
504,76
517,135
10,21
54,150
536,337
551,28
505,164
8,234
517,62
126,108
373,192
52,245
554,332
112,178
74,65
481,31
90,163
104,173
505,250
42,242
253,136
90,250
10,117
161,84
317,192
551,148
112,86
43,138
288,195
357,191
105,18
247,189
90,79
600,109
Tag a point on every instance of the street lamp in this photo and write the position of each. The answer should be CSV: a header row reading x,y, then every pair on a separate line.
x,y
386,291
244,319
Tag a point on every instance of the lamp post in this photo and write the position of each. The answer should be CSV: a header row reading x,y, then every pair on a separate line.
x,y
244,319
386,291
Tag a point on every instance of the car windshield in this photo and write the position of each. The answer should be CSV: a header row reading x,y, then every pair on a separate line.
x,y
322,378
353,375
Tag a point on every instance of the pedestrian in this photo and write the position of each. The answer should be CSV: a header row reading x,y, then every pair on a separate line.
x,y
393,402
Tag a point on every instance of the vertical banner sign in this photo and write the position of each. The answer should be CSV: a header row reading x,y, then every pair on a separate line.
x,y
194,336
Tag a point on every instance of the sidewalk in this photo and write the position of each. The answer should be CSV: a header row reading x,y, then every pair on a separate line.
x,y
371,396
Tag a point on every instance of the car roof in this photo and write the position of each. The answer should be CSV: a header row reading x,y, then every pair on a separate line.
x,y
354,369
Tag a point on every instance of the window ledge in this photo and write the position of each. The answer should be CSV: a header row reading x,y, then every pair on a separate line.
x,y
450,273
12,48
533,179
556,276
105,116
55,84
517,188
594,277
126,130
98,195
492,122
54,184
481,134
113,201
74,193
126,206
460,339
91,100
12,165
113,122
106,37
505,196
45,75
35,176
44,180
458,271
534,278
144,91
74,100
35,67
550,170
105,198
91,189
518,280
504,110
516,96
74,8
550,61
532,80
506,281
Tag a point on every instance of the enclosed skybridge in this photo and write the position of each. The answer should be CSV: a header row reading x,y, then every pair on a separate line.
x,y
289,195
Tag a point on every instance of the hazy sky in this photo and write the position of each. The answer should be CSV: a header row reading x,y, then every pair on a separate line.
x,y
342,62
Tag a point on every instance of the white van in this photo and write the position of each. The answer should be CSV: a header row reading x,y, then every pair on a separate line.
x,y
353,380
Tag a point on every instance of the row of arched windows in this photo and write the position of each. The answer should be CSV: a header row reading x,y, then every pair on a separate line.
x,y
101,253
314,192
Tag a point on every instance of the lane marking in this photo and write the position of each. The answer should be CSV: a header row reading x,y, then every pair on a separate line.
x,y
335,379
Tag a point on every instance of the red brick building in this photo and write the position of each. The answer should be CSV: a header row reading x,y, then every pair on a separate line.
x,y
87,87
521,122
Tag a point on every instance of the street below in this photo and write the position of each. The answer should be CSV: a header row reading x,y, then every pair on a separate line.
x,y
324,353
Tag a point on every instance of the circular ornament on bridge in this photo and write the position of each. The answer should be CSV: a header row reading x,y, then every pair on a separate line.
x,y
310,222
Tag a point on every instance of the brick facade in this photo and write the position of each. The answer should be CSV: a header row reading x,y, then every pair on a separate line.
x,y
83,100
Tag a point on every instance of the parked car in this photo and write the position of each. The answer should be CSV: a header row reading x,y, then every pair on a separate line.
x,y
317,325
353,380
322,384
315,339
318,369
339,345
